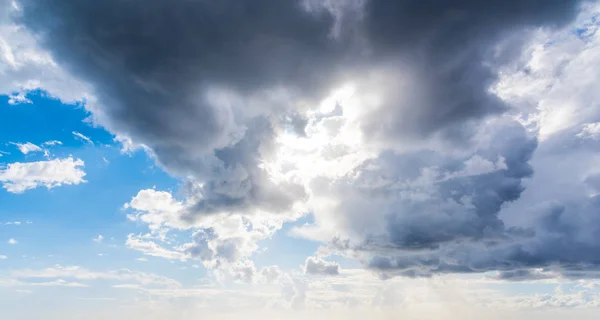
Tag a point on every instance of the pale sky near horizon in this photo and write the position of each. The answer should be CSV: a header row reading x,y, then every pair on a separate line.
x,y
299,159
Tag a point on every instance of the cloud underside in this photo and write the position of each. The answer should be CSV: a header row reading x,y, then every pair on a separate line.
x,y
413,173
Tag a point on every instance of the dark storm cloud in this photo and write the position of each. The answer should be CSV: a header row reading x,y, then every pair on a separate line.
x,y
566,242
156,67
151,62
450,50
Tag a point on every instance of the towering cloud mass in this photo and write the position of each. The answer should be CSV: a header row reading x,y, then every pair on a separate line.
x,y
411,173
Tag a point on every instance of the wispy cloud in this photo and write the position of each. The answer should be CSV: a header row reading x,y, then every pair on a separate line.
x,y
82,137
27,147
52,143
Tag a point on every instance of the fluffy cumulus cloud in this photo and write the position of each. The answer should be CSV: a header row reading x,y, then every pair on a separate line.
x,y
18,177
224,244
423,136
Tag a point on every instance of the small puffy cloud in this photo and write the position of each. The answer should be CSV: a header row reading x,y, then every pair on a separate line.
x,y
82,137
157,209
3,257
27,147
12,241
99,238
18,98
318,266
18,177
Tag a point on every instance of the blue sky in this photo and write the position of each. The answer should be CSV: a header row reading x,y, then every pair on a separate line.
x,y
292,167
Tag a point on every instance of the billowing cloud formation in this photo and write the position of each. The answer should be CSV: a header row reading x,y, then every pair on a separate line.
x,y
411,173
223,244
204,102
20,176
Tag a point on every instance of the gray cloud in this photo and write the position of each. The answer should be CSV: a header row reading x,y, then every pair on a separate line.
x,y
318,266
156,66
556,234
521,275
207,85
427,199
449,51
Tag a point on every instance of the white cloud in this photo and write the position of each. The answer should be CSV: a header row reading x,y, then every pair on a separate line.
x,y
157,209
590,131
18,98
82,137
27,147
99,238
21,176
52,143
83,274
557,89
3,257
55,283
12,241
151,248
224,243
128,146
24,66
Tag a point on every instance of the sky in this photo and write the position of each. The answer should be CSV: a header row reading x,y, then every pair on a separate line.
x,y
299,159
